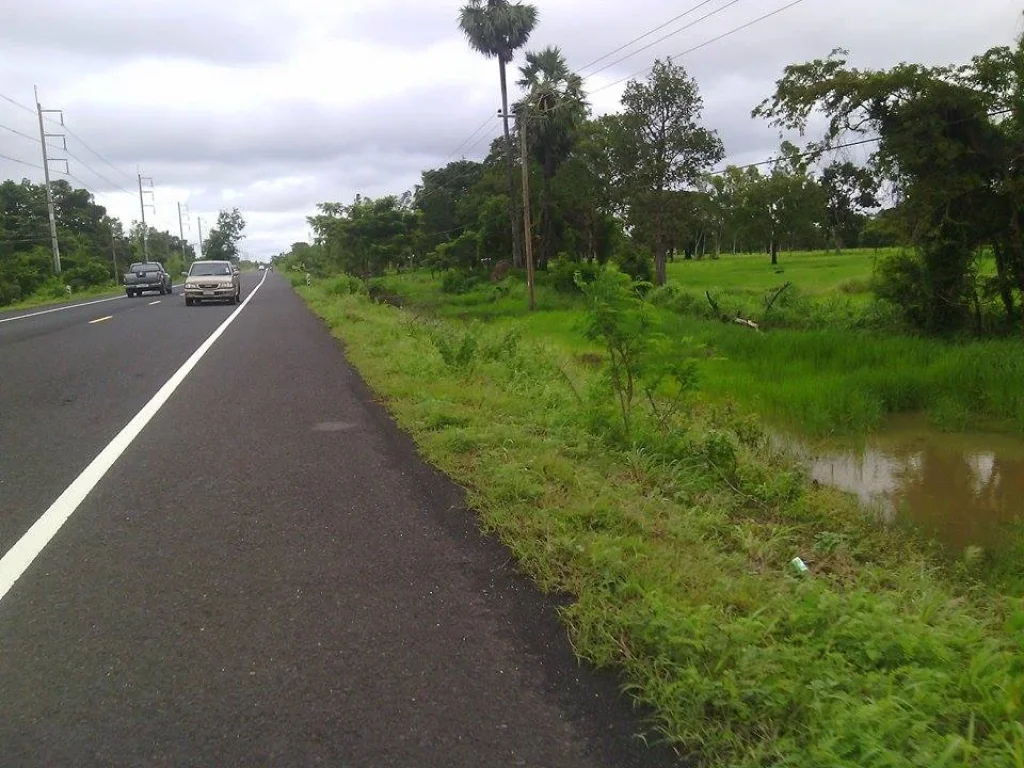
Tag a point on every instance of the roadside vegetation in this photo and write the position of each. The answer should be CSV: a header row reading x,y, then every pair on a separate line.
x,y
96,249
611,424
672,525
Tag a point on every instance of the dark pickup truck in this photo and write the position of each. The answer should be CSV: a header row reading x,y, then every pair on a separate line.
x,y
146,276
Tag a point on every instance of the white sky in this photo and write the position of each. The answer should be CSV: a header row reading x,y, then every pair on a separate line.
x,y
273,106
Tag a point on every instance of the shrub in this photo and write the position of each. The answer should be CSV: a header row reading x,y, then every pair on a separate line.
x,y
86,275
635,261
457,349
343,285
9,292
562,272
900,280
456,281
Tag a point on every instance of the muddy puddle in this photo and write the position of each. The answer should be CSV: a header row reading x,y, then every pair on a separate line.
x,y
965,488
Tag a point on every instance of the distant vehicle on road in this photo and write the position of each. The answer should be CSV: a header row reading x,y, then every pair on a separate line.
x,y
212,281
262,267
145,276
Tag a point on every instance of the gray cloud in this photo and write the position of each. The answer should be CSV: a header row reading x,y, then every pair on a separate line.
x,y
110,30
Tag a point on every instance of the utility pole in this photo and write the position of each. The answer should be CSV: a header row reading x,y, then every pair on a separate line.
x,y
200,220
142,206
181,236
43,135
527,225
516,244
113,253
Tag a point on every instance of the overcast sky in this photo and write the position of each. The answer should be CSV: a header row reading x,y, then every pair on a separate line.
x,y
273,106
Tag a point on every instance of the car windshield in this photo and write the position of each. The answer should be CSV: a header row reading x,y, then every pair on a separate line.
x,y
145,268
210,269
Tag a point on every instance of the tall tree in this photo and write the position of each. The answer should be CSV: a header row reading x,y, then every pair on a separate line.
x,y
497,29
437,197
553,110
368,236
850,190
939,147
222,241
660,148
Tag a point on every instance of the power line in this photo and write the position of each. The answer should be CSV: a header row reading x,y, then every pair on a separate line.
x,y
97,154
19,133
846,145
683,28
18,104
624,46
21,162
97,173
706,43
645,34
471,136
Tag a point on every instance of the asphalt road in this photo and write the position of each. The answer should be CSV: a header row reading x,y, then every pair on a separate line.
x,y
267,574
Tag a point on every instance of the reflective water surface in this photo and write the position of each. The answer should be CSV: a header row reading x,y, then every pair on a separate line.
x,y
963,488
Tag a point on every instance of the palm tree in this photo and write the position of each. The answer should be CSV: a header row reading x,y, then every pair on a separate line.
x,y
556,107
497,29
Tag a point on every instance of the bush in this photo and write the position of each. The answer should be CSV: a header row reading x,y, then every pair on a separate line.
x,y
562,272
635,262
9,292
900,280
457,349
456,281
343,285
87,275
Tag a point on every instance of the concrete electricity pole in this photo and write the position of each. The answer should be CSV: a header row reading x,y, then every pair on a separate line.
x,y
43,135
200,220
181,235
527,226
113,253
142,206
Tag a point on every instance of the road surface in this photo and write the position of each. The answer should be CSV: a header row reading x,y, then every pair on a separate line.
x,y
255,568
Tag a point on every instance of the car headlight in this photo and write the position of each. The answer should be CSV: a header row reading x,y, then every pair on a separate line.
x,y
191,285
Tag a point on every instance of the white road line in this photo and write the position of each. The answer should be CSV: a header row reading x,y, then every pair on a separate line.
x,y
100,319
59,309
68,306
20,556
154,302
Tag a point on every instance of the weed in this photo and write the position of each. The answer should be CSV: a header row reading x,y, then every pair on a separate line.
x,y
457,350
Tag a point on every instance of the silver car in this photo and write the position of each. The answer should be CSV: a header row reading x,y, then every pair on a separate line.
x,y
212,281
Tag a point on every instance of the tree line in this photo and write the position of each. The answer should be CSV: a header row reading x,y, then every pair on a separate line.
x,y
95,248
941,175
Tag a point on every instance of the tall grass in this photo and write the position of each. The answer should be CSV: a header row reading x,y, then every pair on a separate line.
x,y
834,382
676,552
829,381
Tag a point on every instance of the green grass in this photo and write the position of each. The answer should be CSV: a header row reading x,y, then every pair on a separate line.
x,y
52,297
676,553
823,382
848,382
814,272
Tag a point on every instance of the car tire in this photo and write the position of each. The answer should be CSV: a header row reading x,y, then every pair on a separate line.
x,y
188,302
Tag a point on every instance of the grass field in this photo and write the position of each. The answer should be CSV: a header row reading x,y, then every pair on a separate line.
x,y
816,273
676,550
828,381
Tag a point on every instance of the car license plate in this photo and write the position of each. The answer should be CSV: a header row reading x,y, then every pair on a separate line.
x,y
208,293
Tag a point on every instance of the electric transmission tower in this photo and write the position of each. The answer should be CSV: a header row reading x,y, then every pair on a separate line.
x,y
143,205
43,136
